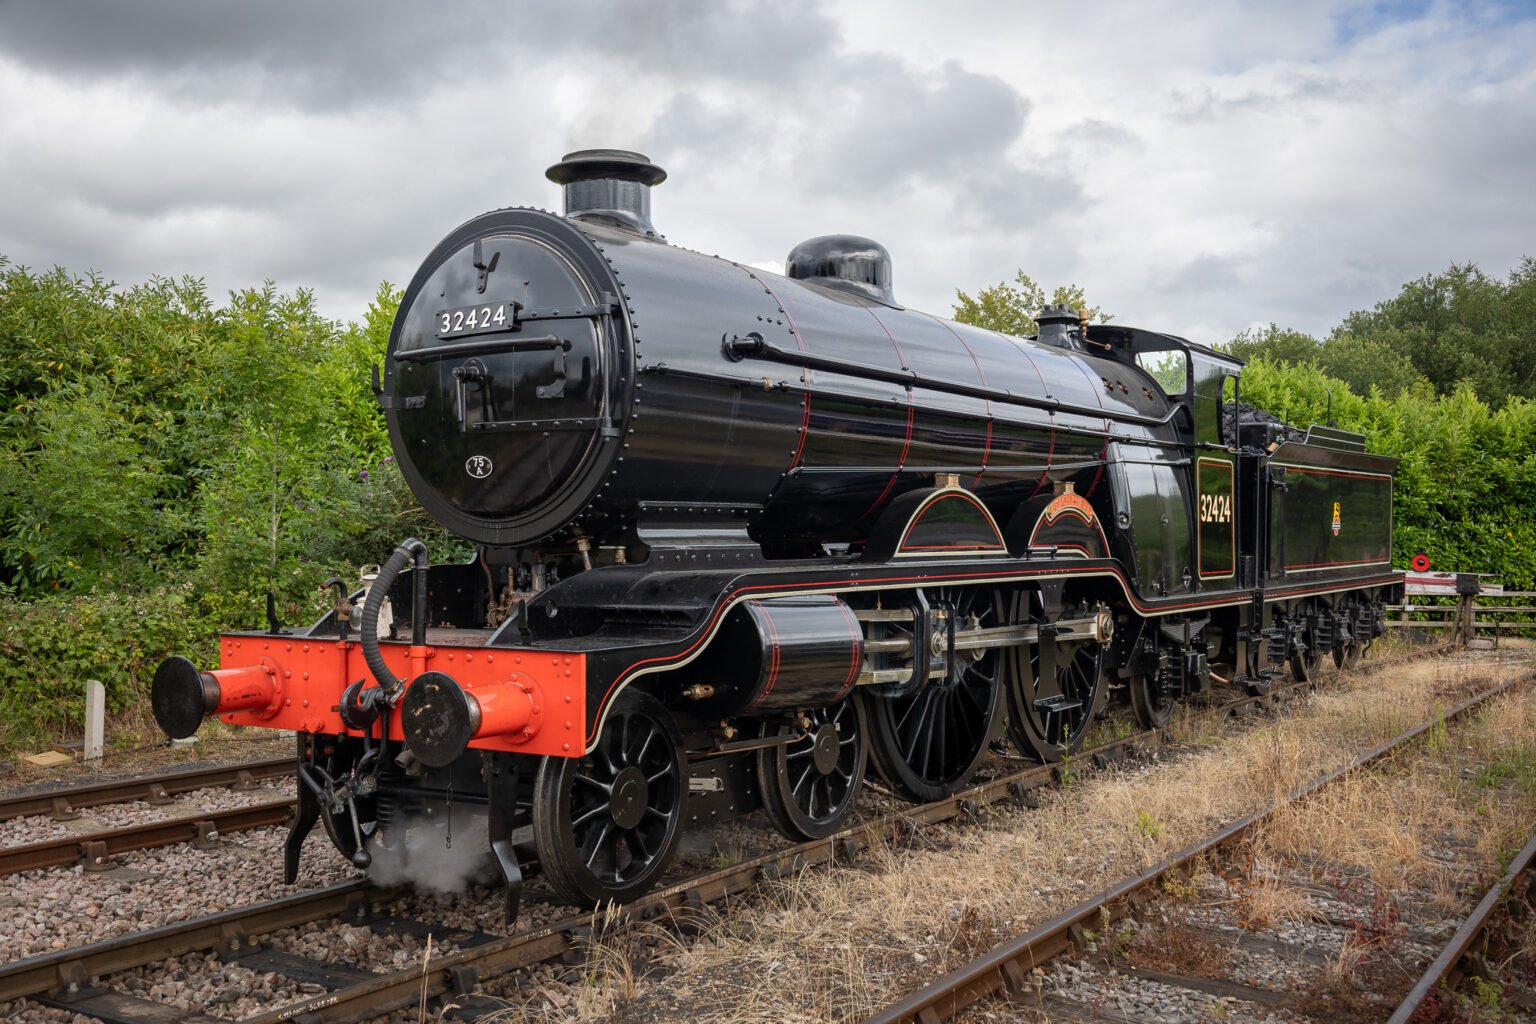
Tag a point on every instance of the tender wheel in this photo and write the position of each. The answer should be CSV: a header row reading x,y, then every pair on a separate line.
x,y
606,825
1346,650
927,745
1307,665
809,786
1347,654
1049,712
1151,708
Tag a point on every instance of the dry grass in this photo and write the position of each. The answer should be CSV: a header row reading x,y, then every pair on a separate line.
x,y
1261,900
837,945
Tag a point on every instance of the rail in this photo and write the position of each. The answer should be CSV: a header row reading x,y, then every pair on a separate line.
x,y
62,802
76,966
95,850
1472,929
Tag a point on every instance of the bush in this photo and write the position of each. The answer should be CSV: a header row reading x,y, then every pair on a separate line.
x,y
148,434
50,646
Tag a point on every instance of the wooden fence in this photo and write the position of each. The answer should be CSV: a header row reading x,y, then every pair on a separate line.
x,y
1509,611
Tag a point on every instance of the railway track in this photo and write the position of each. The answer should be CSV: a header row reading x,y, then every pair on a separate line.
x,y
95,850
1009,969
65,979
64,803
70,978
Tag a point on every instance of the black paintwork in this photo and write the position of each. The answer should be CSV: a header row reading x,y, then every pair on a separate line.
x,y
725,426
785,652
528,431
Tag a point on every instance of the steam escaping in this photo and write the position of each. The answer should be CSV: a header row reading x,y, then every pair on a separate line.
x,y
417,852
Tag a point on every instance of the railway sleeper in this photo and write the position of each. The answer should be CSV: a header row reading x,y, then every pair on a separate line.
x,y
121,1008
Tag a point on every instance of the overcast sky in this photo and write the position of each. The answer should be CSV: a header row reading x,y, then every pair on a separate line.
x,y
1199,168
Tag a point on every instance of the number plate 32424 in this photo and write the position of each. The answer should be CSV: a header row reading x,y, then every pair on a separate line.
x,y
452,323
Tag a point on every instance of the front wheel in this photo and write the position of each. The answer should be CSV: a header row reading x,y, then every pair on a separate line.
x,y
607,825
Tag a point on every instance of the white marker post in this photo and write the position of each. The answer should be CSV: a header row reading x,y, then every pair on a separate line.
x,y
95,720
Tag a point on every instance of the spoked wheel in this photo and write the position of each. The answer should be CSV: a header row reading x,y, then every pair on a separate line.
x,y
810,785
927,744
1151,708
1347,653
606,825
1346,649
1049,711
1307,665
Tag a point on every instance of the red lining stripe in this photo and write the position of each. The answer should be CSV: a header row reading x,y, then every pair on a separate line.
x,y
1103,458
808,374
1090,517
987,451
1331,472
773,660
1231,526
805,428
857,635
1357,561
1221,601
900,462
906,445
953,547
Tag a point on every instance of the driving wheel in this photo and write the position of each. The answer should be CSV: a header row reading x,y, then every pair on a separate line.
x,y
927,744
1050,706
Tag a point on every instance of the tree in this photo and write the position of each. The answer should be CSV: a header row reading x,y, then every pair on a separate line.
x,y
1459,328
1011,308
1276,344
1365,363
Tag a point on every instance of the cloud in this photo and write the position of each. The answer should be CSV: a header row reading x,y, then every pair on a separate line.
x,y
1196,169
286,52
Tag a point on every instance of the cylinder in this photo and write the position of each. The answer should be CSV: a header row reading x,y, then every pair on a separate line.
x,y
782,652
439,717
182,696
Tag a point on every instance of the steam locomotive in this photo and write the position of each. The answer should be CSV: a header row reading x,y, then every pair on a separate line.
x,y
738,534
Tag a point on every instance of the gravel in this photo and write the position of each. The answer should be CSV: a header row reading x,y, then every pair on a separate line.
x,y
53,909
42,828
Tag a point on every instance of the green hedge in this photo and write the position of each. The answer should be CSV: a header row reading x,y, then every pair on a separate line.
x,y
1466,485
165,461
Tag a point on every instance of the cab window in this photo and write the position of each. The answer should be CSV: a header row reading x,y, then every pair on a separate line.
x,y
1170,369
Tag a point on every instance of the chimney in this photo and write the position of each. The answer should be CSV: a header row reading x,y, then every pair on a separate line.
x,y
610,186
